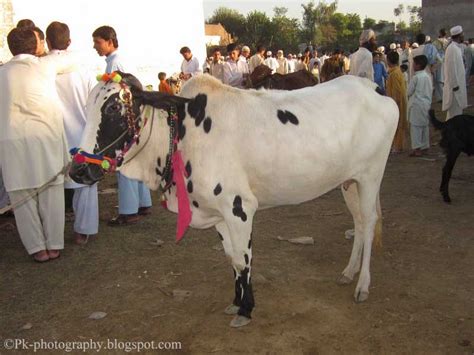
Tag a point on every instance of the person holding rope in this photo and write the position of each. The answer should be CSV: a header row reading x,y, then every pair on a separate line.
x,y
73,89
33,147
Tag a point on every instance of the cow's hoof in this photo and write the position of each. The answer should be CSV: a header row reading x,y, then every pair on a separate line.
x,y
231,310
361,296
446,198
239,321
343,280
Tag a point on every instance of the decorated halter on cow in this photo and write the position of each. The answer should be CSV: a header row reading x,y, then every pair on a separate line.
x,y
174,170
106,163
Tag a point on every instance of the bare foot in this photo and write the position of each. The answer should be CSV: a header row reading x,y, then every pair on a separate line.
x,y
53,254
41,256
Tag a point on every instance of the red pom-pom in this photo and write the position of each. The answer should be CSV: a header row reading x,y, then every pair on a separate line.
x,y
105,77
79,159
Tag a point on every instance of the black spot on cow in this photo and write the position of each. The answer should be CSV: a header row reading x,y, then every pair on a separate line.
x,y
158,172
245,299
221,238
285,116
105,98
188,168
246,257
158,162
207,124
181,113
109,90
238,210
217,189
190,186
197,108
196,204
181,131
250,243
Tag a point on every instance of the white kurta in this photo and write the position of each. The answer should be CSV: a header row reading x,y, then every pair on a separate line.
x,y
234,73
419,98
361,64
272,63
282,66
255,61
217,70
454,77
191,67
33,145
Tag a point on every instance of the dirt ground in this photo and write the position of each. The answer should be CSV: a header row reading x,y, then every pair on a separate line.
x,y
421,296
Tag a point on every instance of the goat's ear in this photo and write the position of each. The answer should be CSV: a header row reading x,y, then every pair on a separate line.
x,y
159,100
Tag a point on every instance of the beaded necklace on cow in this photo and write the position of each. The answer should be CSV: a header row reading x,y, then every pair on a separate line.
x,y
173,143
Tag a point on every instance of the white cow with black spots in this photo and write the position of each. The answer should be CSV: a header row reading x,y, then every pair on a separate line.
x,y
246,150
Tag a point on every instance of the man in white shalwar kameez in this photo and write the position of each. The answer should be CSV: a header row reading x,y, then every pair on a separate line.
x,y
235,70
454,89
361,60
33,147
73,89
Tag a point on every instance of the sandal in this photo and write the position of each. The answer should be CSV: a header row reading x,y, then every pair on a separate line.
x,y
81,239
41,257
53,254
123,220
144,211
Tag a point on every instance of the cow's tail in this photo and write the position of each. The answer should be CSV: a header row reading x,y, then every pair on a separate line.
x,y
378,226
434,121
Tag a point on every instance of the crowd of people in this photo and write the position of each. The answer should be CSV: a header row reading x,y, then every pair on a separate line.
x,y
412,74
44,94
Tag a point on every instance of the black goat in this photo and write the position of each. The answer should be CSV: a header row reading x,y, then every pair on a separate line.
x,y
457,135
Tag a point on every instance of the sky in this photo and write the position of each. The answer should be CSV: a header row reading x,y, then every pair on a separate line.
x,y
377,9
150,33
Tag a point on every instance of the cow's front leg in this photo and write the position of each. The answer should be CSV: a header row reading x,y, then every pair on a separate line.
x,y
238,228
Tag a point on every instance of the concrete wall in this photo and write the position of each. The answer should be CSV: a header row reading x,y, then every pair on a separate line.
x,y
448,13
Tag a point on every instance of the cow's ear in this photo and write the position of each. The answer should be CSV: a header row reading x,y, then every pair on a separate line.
x,y
158,100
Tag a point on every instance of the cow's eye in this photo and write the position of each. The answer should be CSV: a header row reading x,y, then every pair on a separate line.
x,y
114,108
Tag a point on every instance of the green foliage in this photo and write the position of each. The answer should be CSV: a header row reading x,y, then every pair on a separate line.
x,y
232,20
321,26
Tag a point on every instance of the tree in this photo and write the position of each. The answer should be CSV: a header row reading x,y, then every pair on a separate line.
x,y
258,29
317,27
232,20
398,11
285,31
368,23
415,18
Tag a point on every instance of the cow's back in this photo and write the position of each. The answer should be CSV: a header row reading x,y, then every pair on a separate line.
x,y
292,146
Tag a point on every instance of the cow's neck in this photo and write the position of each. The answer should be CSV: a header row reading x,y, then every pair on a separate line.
x,y
146,161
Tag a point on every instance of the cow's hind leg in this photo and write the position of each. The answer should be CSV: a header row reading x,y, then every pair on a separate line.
x,y
238,216
368,198
351,196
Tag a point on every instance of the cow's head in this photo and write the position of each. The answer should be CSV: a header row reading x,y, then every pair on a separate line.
x,y
113,124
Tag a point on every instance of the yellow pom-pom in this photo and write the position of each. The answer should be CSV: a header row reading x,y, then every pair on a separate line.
x,y
105,165
117,78
99,77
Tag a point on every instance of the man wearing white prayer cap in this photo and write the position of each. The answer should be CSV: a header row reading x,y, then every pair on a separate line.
x,y
271,62
454,89
393,46
361,60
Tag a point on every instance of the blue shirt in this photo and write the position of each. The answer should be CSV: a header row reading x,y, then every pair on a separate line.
x,y
113,63
380,74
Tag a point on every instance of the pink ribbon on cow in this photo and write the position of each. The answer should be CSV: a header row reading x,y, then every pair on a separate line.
x,y
184,210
